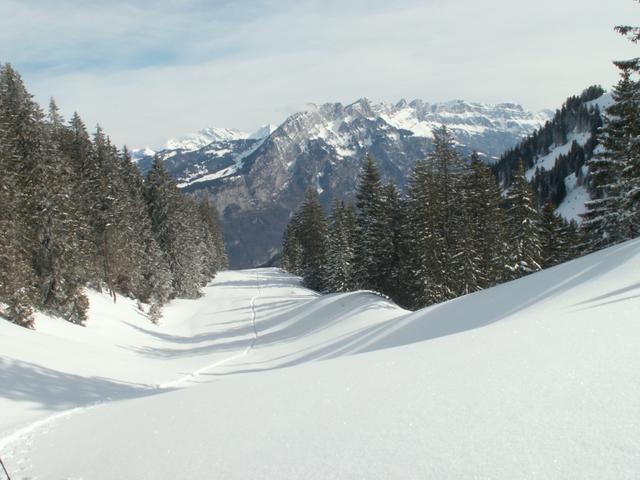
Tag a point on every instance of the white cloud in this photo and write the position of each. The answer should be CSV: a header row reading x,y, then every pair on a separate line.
x,y
147,74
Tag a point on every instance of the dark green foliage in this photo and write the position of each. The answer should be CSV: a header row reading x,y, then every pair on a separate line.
x,y
342,237
575,116
525,250
74,213
450,236
291,246
484,242
305,243
372,236
614,212
313,237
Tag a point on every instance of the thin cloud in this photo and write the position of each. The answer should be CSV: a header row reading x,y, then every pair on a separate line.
x,y
148,72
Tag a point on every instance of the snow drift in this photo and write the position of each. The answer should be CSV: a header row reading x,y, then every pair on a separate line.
x,y
537,378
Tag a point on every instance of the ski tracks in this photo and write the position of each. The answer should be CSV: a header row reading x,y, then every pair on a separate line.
x,y
17,444
195,374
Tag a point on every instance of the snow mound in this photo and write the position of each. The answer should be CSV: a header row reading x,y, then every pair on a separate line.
x,y
536,378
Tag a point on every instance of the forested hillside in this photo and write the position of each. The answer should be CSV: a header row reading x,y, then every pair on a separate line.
x,y
558,149
451,234
75,213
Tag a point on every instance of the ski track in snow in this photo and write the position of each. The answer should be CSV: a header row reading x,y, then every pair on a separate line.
x,y
18,442
200,371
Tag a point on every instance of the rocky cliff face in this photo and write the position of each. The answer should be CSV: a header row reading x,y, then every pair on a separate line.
x,y
258,180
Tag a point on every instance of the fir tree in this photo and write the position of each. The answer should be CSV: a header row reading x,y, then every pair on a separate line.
x,y
486,220
552,238
291,246
525,250
169,214
313,237
339,276
371,237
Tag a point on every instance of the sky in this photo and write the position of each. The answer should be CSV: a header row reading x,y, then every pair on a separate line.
x,y
150,71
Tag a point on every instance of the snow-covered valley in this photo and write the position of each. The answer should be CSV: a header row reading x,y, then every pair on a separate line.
x,y
262,378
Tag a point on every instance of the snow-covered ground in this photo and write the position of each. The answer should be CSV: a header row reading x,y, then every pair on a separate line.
x,y
261,378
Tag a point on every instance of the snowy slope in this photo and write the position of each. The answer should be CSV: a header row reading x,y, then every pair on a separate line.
x,y
537,378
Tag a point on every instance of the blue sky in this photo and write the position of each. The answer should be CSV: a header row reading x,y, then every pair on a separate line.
x,y
148,71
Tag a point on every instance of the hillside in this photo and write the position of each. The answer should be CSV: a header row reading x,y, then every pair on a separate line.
x,y
261,378
555,156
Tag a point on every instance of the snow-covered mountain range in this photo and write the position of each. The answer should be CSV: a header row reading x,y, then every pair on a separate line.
x,y
258,179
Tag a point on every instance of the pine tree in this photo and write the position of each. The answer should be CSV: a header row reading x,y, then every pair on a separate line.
x,y
20,138
486,220
339,275
291,246
603,219
552,236
525,250
446,223
58,226
390,247
313,236
169,214
420,245
614,214
371,237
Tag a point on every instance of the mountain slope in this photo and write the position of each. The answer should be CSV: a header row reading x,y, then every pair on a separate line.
x,y
256,184
537,378
555,156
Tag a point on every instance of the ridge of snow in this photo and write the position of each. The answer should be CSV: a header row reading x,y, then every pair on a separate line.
x,y
204,137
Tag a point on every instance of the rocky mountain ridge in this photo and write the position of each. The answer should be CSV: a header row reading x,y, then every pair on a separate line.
x,y
256,182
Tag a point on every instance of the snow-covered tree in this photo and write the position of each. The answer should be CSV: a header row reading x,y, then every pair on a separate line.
x,y
525,250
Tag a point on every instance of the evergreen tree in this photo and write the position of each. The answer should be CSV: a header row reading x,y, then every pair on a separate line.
x,y
482,246
339,276
169,214
390,248
16,274
603,219
552,236
525,250
449,171
614,214
291,246
371,237
421,243
313,236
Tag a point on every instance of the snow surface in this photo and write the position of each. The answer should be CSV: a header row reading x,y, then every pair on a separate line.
x,y
548,161
261,378
573,204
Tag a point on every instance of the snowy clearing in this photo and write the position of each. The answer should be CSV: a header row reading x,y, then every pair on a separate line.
x,y
261,378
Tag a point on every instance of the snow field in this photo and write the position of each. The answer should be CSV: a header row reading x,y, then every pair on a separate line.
x,y
537,378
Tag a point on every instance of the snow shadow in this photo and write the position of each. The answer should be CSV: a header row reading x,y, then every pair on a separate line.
x,y
55,390
466,313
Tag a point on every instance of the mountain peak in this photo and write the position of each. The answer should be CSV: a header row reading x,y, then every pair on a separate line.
x,y
361,107
204,137
263,132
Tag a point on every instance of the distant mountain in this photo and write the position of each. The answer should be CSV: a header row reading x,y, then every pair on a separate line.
x,y
555,156
257,180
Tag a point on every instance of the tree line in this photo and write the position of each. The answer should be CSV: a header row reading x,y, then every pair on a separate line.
x,y
452,233
576,116
462,226
75,212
